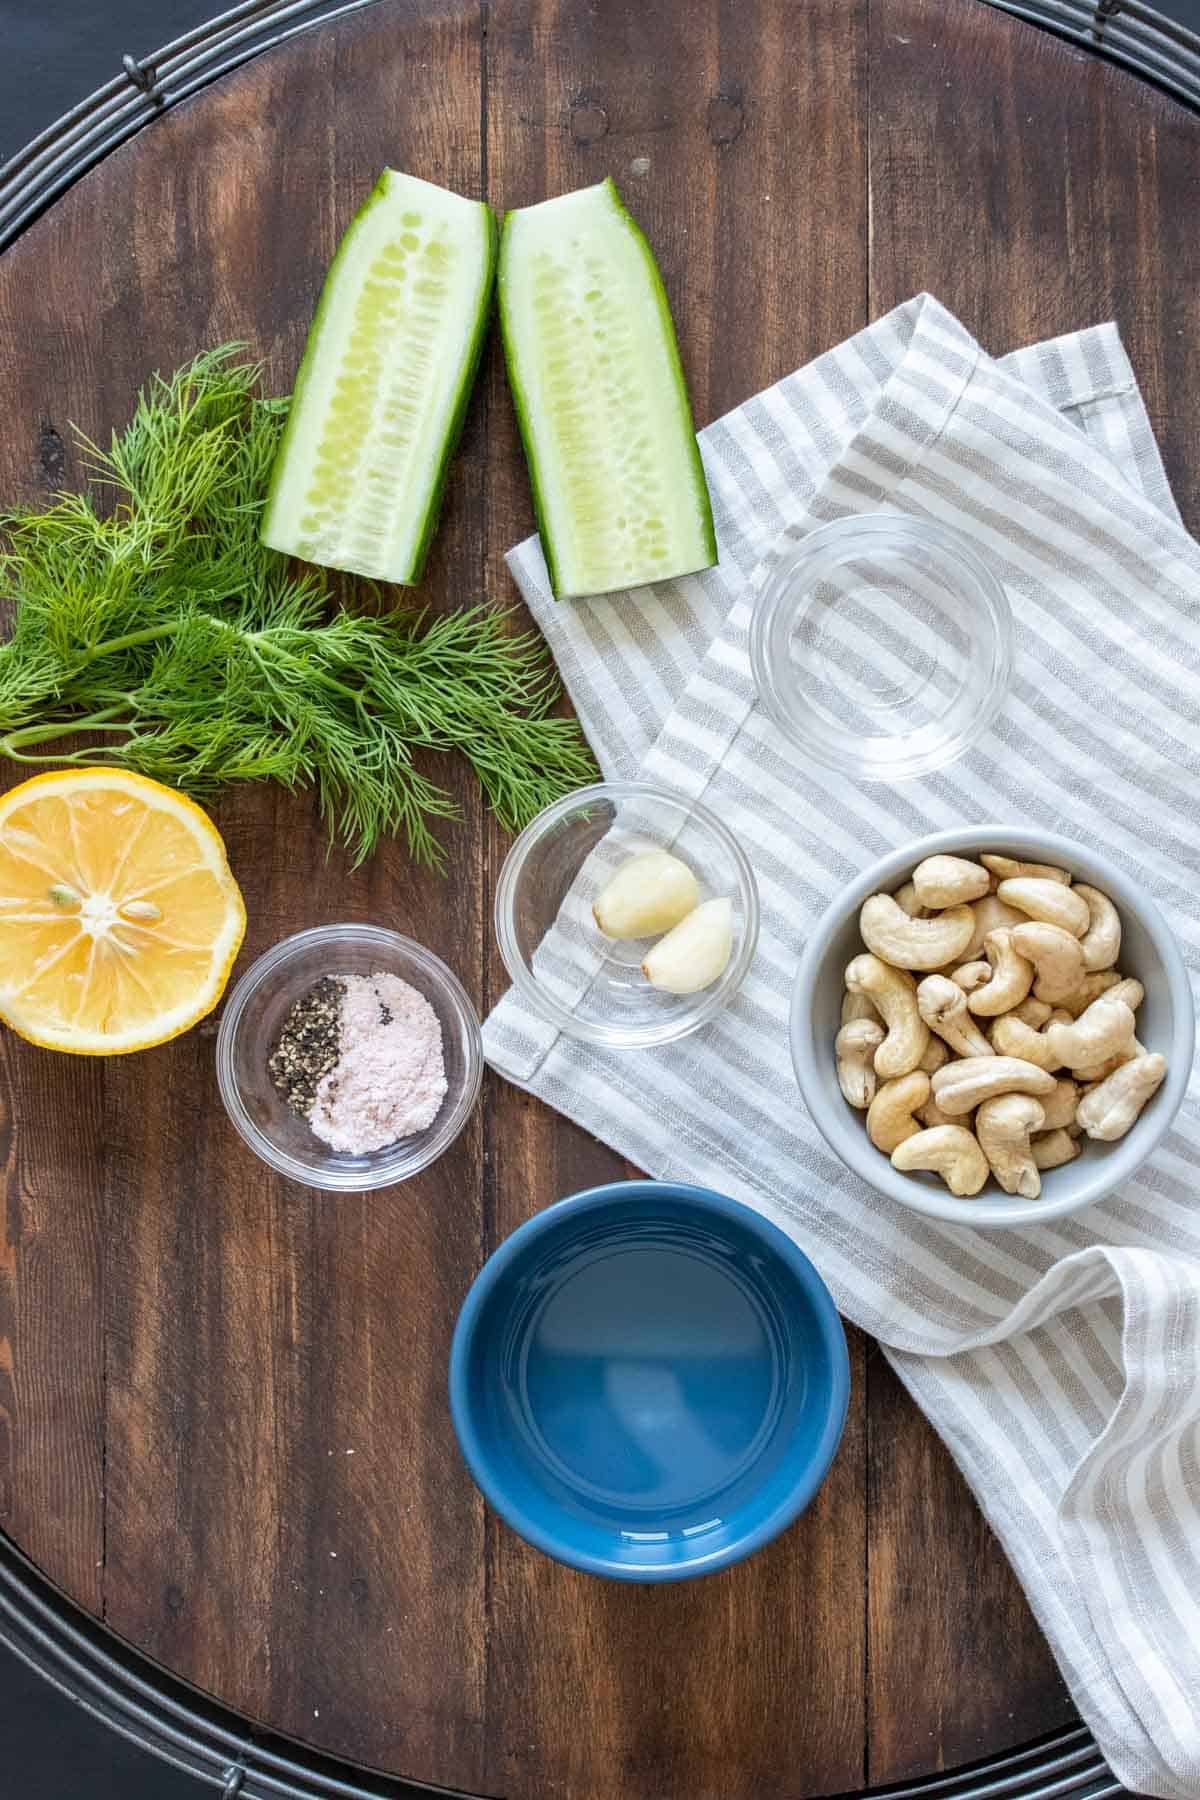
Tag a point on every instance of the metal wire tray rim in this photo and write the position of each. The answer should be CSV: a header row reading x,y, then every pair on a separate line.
x,y
1129,33
52,161
124,1690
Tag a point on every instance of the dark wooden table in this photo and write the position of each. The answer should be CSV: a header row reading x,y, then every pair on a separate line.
x,y
223,1424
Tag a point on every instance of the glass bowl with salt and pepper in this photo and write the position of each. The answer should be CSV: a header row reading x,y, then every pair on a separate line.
x,y
349,1057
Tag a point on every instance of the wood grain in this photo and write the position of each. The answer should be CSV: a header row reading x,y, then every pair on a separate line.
x,y
222,1398
943,1601
51,1320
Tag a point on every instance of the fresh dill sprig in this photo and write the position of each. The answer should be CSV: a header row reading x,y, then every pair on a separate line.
x,y
150,621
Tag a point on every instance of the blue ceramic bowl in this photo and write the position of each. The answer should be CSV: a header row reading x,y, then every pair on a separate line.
x,y
648,1381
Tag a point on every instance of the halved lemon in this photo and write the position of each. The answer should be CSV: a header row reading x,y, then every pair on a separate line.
x,y
119,916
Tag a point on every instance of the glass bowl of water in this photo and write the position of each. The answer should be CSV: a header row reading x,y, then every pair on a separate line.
x,y
881,645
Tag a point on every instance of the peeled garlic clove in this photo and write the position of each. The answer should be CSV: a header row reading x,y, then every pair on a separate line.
x,y
693,955
648,894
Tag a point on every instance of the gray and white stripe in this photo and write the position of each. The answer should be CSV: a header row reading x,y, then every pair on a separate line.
x,y
1062,1363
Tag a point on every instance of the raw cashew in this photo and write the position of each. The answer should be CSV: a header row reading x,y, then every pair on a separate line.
x,y
1091,1073
914,943
1089,989
1017,948
949,1151
931,1115
1002,1126
1109,1110
907,900
1006,868
855,1047
1055,955
1048,901
1011,1037
990,915
943,1006
949,880
893,992
856,1006
1011,978
1102,1031
1060,1106
1101,942
1124,988
962,1085
890,1116
972,975
1051,1149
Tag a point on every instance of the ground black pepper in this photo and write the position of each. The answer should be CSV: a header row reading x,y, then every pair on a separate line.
x,y
308,1045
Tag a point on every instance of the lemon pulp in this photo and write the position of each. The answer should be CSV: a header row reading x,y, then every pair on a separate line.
x,y
119,916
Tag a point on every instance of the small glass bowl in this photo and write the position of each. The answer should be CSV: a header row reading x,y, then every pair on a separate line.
x,y
882,645
589,985
254,1015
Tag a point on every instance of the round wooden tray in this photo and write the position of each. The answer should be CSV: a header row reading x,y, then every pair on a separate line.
x,y
223,1425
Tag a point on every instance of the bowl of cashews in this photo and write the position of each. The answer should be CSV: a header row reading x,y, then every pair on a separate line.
x,y
993,1026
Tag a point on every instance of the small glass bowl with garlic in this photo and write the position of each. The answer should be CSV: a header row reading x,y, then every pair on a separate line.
x,y
627,915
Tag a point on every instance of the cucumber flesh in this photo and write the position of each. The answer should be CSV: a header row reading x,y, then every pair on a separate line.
x,y
603,408
384,382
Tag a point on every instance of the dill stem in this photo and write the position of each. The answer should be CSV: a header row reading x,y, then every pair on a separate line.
x,y
264,646
81,759
148,635
45,734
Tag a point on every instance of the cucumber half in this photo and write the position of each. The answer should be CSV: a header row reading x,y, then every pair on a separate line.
x,y
383,386
603,408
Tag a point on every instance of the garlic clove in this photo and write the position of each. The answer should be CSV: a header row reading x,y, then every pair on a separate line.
x,y
649,893
695,953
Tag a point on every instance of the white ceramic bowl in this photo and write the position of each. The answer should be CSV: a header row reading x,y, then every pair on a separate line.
x,y
1166,1023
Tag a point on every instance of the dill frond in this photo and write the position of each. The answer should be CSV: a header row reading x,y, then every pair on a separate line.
x,y
158,625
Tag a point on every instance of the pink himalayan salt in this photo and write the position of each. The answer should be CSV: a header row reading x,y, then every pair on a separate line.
x,y
390,1078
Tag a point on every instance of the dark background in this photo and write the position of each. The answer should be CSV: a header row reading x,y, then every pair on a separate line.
x,y
53,57
50,1749
55,52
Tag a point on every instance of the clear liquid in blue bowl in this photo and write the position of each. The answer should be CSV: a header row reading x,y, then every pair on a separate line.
x,y
646,1388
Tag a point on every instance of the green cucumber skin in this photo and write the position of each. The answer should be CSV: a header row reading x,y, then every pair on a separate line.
x,y
457,418
520,402
681,387
310,347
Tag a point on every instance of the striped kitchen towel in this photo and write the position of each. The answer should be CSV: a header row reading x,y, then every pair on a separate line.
x,y
1061,1364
